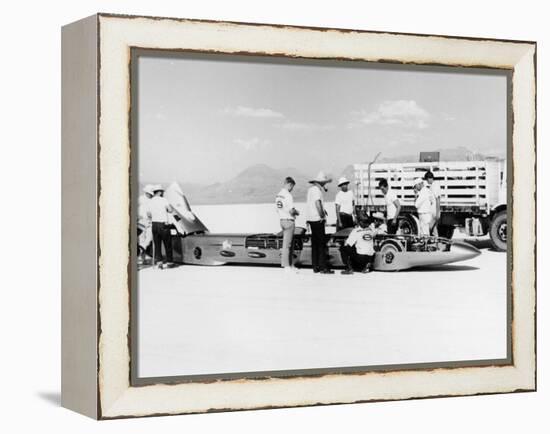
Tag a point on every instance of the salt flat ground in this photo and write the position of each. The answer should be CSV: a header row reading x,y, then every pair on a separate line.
x,y
204,320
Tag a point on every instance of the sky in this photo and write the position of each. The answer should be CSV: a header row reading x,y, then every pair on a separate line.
x,y
205,118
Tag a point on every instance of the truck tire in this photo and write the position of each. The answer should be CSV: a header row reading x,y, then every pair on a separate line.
x,y
498,231
408,225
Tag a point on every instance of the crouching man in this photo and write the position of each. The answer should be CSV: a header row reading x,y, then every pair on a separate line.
x,y
358,250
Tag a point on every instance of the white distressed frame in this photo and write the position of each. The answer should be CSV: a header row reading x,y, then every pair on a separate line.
x,y
116,396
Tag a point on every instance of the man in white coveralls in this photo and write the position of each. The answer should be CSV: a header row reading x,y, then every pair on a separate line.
x,y
424,206
433,187
287,214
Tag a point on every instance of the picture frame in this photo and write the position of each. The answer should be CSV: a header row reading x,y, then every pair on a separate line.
x,y
98,174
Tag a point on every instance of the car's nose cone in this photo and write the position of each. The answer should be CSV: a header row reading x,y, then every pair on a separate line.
x,y
464,251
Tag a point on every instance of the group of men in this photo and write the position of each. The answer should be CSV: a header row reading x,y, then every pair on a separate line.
x,y
155,216
154,224
358,250
427,203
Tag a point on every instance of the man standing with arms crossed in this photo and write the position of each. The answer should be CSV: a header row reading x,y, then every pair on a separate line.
x,y
393,206
316,217
287,214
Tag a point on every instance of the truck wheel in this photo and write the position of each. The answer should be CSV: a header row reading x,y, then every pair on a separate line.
x,y
408,225
498,231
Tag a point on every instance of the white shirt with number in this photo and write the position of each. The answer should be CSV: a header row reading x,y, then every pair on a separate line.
x,y
391,209
345,200
158,209
284,203
435,192
363,239
424,201
314,194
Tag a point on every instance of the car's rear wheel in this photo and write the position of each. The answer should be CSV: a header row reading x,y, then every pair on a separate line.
x,y
390,246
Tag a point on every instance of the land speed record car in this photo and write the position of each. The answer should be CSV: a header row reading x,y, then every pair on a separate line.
x,y
194,244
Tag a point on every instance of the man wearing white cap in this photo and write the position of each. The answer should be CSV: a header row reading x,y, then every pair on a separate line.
x,y
316,216
345,205
159,211
423,204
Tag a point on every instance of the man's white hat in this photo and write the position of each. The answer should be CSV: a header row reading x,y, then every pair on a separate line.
x,y
148,189
343,180
378,215
418,181
157,187
321,178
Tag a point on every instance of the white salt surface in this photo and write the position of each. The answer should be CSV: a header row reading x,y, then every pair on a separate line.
x,y
205,320
253,218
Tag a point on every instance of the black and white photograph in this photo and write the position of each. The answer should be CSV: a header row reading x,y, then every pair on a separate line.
x,y
298,216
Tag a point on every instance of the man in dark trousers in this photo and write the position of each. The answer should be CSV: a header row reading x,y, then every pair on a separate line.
x,y
345,205
316,216
393,206
159,210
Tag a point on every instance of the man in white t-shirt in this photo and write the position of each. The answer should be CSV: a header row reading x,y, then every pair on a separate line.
x,y
424,206
287,213
393,206
316,216
159,209
433,187
345,205
358,250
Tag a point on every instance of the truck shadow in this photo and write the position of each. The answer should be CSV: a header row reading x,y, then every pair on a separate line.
x,y
481,244
447,267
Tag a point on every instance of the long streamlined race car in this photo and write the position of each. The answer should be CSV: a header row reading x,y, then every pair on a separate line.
x,y
195,245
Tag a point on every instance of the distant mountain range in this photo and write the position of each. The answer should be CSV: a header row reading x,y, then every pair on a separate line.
x,y
260,183
454,154
256,184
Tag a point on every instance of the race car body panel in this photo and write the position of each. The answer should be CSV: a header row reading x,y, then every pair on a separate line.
x,y
393,252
